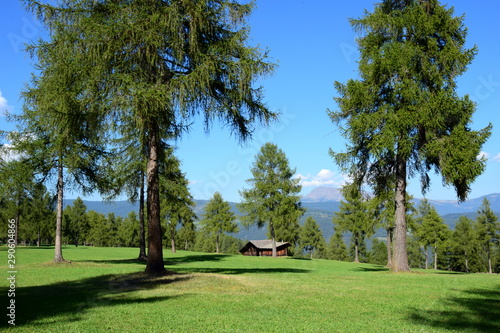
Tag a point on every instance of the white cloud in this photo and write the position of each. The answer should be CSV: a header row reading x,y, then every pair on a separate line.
x,y
325,174
483,155
301,176
7,154
323,178
497,158
4,106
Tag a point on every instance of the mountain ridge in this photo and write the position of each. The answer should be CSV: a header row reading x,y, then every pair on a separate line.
x,y
323,194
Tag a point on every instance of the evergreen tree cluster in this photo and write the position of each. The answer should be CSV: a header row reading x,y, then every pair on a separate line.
x,y
28,202
473,246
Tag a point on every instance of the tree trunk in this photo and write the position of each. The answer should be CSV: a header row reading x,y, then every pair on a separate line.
x,y
172,237
426,257
58,257
490,271
18,217
273,242
155,251
435,258
389,247
275,253
142,237
400,250
217,250
273,239
356,250
38,238
466,263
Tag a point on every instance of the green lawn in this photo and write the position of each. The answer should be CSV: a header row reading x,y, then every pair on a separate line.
x,y
104,290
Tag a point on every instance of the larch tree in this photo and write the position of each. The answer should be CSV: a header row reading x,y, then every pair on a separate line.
x,y
355,216
378,253
286,223
431,231
187,235
41,209
336,249
176,201
274,192
218,219
311,237
488,231
158,64
16,190
403,117
129,230
76,223
464,240
59,131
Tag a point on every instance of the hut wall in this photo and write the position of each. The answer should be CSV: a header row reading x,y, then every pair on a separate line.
x,y
283,252
269,253
251,251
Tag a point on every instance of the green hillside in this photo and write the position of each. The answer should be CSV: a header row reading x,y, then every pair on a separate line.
x,y
105,290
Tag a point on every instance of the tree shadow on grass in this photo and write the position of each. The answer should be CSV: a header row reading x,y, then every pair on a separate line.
x,y
68,301
223,270
114,261
475,309
175,263
305,259
196,258
371,269
234,271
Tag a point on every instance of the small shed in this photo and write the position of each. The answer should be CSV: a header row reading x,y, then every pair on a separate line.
x,y
264,248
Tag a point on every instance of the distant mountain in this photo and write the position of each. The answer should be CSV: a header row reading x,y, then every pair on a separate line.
x,y
323,194
445,207
119,208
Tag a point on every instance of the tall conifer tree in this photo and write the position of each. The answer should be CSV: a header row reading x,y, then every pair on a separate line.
x,y
337,250
218,218
356,217
311,237
431,230
403,117
176,201
488,231
157,64
464,242
274,193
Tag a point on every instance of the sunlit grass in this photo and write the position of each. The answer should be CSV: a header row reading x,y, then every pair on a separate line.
x,y
104,289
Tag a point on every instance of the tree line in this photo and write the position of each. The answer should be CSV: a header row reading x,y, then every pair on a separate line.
x,y
473,246
119,82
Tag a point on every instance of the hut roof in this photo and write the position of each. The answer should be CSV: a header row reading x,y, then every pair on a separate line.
x,y
266,244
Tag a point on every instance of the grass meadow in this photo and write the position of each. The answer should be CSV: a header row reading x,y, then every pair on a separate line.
x,y
105,290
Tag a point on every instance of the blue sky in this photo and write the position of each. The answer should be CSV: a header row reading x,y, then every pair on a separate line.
x,y
314,45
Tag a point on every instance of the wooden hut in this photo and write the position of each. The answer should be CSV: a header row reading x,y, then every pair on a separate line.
x,y
264,248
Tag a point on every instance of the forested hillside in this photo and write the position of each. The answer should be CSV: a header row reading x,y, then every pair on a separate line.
x,y
322,211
